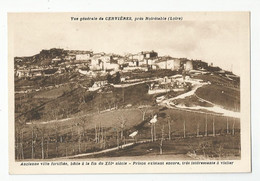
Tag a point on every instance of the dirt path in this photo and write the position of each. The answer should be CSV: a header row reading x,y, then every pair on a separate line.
x,y
216,108
104,151
132,84
123,146
75,117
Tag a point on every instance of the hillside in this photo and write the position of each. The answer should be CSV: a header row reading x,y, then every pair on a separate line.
x,y
43,58
62,117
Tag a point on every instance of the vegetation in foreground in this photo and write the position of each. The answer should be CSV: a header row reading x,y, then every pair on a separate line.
x,y
86,126
85,134
220,147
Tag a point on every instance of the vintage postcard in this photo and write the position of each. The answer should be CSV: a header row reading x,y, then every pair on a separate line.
x,y
129,92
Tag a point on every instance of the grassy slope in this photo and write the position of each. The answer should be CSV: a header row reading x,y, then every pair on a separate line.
x,y
66,102
220,95
53,93
221,91
192,101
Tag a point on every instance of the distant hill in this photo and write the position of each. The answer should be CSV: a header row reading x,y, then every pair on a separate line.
x,y
43,58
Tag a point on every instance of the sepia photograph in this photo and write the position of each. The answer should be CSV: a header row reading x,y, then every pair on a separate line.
x,y
158,90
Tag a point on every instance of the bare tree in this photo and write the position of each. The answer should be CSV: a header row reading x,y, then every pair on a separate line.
x,y
105,138
117,138
170,119
99,135
233,127
122,121
42,143
42,130
79,141
47,145
206,125
83,122
102,137
99,132
116,103
17,142
100,102
96,133
22,143
198,128
78,125
56,139
161,142
213,127
143,109
152,134
227,126
123,94
33,139
66,145
73,137
184,128
19,128
169,128
154,127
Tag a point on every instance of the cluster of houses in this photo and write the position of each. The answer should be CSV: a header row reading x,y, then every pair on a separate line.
x,y
36,72
89,63
174,83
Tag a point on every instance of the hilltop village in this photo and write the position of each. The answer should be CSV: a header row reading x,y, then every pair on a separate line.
x,y
58,61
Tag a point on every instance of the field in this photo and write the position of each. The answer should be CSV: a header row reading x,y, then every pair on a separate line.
x,y
221,95
191,148
63,102
38,82
79,135
52,93
192,101
68,120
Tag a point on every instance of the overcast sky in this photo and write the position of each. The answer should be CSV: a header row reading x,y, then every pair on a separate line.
x,y
222,42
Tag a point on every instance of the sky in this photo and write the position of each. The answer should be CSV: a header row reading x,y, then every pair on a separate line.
x,y
221,40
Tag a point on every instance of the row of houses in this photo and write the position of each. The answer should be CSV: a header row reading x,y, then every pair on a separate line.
x,y
150,59
83,61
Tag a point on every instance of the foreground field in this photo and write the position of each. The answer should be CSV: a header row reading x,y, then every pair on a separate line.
x,y
220,147
86,134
